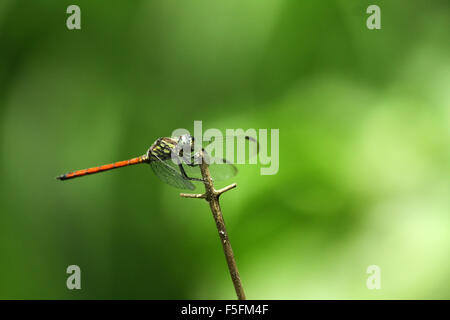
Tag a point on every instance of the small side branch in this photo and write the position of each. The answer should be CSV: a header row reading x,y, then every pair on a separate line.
x,y
194,196
204,195
212,196
220,191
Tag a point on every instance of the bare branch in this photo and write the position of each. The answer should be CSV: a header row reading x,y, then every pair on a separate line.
x,y
212,196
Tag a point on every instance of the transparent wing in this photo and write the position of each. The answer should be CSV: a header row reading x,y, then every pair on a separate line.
x,y
220,170
168,172
236,149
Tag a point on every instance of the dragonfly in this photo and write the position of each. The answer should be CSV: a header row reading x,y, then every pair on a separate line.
x,y
174,160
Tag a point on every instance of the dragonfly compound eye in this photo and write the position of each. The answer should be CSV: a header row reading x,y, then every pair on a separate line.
x,y
185,141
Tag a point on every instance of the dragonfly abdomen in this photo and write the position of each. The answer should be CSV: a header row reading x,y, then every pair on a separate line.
x,y
105,167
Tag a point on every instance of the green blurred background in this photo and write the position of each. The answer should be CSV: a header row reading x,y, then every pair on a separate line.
x,y
364,119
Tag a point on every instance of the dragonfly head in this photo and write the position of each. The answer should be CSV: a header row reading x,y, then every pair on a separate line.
x,y
185,142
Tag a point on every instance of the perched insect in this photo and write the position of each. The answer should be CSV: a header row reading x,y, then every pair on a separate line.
x,y
173,161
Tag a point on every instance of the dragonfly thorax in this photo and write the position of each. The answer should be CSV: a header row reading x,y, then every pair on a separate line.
x,y
176,148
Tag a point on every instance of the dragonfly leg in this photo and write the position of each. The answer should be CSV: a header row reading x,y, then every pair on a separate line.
x,y
185,176
192,164
196,159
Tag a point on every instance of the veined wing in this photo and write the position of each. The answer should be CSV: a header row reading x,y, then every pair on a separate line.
x,y
168,172
220,170
235,148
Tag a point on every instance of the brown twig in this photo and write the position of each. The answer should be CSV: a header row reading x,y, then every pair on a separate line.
x,y
212,196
